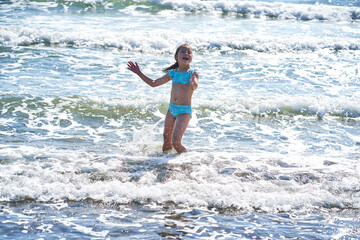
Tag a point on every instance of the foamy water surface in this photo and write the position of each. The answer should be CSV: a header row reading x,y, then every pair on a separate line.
x,y
273,141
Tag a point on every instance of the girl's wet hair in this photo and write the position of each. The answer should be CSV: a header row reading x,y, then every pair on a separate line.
x,y
176,65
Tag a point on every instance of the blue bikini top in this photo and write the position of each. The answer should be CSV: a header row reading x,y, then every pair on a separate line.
x,y
181,77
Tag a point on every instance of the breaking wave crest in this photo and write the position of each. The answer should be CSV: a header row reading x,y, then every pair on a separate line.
x,y
164,42
122,173
28,107
212,180
277,10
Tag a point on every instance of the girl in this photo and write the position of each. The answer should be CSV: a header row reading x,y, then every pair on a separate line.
x,y
185,81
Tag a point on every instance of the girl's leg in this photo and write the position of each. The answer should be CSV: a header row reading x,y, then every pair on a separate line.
x,y
168,131
181,124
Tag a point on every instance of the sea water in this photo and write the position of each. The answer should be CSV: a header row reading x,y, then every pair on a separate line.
x,y
274,141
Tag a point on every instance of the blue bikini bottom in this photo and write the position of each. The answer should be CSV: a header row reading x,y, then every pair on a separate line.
x,y
176,110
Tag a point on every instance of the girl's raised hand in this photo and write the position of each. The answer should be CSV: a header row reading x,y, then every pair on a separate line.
x,y
134,67
194,80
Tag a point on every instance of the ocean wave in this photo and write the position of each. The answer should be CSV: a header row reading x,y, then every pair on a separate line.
x,y
278,10
213,180
299,106
121,173
81,108
272,10
164,42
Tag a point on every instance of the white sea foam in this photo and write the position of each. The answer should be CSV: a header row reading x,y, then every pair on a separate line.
x,y
248,8
287,180
164,42
194,179
251,148
299,106
277,9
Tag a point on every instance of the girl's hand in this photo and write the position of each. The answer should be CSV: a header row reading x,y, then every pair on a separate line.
x,y
134,67
194,80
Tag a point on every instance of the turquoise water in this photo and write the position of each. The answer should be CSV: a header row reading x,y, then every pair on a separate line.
x,y
273,143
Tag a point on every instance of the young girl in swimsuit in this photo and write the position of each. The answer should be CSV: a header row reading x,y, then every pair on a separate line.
x,y
185,81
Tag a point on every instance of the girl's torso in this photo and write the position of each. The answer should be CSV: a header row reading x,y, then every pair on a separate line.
x,y
181,92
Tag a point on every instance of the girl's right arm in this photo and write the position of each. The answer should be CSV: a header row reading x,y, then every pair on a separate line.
x,y
134,67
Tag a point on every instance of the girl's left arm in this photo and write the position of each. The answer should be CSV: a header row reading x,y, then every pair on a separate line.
x,y
194,80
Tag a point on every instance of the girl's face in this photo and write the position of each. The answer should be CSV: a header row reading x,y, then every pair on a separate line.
x,y
184,56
